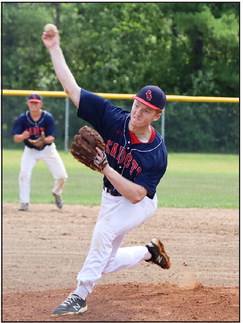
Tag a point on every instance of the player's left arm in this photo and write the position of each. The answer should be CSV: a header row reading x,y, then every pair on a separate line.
x,y
49,140
131,191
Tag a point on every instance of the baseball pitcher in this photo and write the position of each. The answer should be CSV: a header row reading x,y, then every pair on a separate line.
x,y
132,158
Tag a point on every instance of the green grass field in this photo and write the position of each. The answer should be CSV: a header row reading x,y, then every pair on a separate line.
x,y
191,180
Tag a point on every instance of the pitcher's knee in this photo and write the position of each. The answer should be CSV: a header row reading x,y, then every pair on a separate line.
x,y
61,181
24,176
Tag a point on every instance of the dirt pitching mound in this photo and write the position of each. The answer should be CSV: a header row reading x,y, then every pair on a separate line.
x,y
130,302
44,248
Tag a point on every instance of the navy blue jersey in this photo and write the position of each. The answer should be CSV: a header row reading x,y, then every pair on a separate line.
x,y
25,122
141,163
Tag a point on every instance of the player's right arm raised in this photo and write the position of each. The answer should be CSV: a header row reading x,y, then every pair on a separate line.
x,y
63,73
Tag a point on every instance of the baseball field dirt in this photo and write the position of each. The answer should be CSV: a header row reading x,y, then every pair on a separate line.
x,y
43,250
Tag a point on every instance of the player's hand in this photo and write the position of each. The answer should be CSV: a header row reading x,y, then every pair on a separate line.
x,y
99,158
40,141
51,38
26,134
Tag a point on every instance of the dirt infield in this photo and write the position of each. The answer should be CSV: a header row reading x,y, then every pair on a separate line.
x,y
44,248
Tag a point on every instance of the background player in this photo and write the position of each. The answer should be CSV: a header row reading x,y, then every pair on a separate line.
x,y
30,125
137,160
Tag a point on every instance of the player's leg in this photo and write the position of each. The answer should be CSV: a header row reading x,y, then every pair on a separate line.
x,y
117,217
127,257
28,161
55,165
130,256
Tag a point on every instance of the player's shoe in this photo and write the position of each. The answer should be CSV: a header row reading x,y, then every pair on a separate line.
x,y
73,304
24,207
58,200
159,256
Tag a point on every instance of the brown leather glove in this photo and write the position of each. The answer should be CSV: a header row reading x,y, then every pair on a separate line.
x,y
83,148
39,142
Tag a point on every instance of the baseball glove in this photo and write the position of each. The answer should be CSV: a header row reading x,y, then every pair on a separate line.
x,y
40,141
83,148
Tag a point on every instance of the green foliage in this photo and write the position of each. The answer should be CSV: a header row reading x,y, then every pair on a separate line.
x,y
191,180
202,127
189,126
22,48
186,48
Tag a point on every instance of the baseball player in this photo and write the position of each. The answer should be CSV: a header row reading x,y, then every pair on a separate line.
x,y
136,162
36,128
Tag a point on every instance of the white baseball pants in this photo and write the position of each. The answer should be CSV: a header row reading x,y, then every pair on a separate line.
x,y
54,163
117,217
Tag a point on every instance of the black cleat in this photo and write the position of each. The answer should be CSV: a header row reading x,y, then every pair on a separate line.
x,y
159,256
58,200
72,305
24,207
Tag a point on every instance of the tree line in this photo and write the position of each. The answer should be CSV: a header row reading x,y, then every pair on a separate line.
x,y
185,48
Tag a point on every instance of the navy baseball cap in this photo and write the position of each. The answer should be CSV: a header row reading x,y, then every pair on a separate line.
x,y
35,98
152,96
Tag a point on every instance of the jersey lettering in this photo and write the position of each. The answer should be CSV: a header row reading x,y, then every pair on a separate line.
x,y
134,166
34,131
109,143
138,171
128,160
122,157
114,150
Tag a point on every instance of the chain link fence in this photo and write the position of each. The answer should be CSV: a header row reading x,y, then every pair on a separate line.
x,y
203,127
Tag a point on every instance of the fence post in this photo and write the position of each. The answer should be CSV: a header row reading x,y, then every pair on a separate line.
x,y
163,124
66,124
